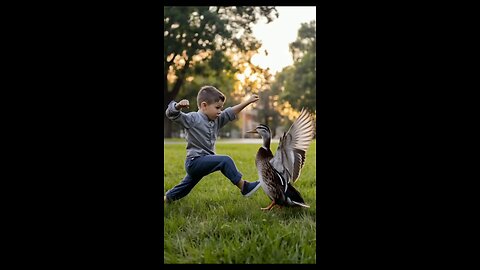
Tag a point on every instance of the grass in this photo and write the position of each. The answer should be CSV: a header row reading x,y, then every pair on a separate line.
x,y
174,140
214,224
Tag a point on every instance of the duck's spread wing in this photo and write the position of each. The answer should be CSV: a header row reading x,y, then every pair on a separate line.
x,y
290,156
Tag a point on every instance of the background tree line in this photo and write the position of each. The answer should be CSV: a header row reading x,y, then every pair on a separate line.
x,y
214,46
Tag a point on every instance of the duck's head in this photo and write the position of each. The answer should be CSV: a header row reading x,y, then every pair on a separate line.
x,y
261,129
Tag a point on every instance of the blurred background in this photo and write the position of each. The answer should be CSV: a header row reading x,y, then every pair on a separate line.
x,y
242,50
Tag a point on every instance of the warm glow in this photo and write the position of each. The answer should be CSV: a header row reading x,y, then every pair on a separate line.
x,y
287,110
277,35
171,77
247,71
241,77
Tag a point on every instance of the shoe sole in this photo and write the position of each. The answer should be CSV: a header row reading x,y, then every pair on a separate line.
x,y
252,191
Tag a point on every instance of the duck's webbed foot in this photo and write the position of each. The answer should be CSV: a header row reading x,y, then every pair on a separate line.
x,y
270,206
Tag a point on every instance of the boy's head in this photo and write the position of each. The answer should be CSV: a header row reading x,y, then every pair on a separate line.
x,y
209,94
210,101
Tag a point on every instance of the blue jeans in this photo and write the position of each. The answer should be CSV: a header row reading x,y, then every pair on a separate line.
x,y
199,167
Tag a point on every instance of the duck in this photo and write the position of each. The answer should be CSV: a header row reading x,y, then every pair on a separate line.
x,y
278,172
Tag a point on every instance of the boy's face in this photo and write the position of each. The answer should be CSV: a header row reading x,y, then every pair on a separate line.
x,y
213,110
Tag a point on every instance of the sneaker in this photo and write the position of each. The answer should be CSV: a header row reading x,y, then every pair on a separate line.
x,y
250,188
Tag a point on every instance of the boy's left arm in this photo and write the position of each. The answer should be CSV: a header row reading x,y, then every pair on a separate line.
x,y
231,113
226,116
238,108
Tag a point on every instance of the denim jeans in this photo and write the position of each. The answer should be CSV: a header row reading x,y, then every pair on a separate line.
x,y
199,167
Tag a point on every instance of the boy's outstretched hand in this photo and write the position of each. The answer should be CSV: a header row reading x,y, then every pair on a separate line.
x,y
182,104
253,98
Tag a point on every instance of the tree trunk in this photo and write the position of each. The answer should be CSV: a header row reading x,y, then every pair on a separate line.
x,y
169,96
167,123
167,127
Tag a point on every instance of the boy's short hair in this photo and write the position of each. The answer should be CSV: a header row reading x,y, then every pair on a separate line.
x,y
210,95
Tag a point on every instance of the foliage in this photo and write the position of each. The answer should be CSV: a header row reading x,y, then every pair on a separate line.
x,y
215,224
298,82
222,80
200,41
306,41
196,34
269,114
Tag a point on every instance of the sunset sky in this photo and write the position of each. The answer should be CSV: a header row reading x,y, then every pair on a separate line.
x,y
277,35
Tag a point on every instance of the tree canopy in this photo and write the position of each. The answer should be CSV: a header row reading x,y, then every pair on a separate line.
x,y
201,41
298,82
196,34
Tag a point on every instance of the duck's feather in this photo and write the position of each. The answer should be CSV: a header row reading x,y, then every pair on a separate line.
x,y
293,197
283,182
290,156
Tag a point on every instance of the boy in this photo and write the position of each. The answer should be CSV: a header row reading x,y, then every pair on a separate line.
x,y
202,129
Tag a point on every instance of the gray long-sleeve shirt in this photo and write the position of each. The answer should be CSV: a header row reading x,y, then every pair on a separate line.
x,y
201,132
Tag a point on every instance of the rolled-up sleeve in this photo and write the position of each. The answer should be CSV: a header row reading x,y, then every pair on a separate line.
x,y
226,116
186,120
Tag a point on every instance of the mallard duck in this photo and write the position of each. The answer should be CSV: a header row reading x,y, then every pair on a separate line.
x,y
277,173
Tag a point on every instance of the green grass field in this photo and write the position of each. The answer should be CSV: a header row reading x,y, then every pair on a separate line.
x,y
215,224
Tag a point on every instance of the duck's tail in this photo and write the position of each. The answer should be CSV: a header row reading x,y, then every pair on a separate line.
x,y
294,198
301,204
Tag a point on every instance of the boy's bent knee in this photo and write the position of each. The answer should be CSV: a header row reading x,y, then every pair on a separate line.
x,y
228,159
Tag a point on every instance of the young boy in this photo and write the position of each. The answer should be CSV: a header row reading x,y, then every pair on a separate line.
x,y
202,128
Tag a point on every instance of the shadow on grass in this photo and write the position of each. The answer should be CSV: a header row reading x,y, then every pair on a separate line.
x,y
291,213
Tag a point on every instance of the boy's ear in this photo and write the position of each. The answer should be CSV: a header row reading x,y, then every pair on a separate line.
x,y
203,104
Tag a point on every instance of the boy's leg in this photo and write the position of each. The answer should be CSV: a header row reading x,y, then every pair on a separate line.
x,y
202,166
182,189
205,165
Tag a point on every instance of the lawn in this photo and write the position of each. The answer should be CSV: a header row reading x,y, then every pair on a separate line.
x,y
215,224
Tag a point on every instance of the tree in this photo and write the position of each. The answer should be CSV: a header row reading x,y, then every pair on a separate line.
x,y
193,35
268,113
306,41
223,80
299,81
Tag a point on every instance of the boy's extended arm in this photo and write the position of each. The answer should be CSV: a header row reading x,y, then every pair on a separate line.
x,y
231,113
238,108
